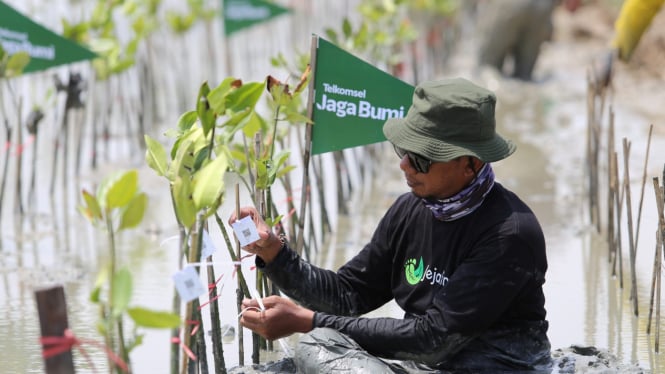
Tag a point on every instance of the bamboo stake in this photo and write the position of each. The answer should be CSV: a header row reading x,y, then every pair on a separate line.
x,y
590,146
176,302
655,270
215,321
618,200
612,190
192,313
18,201
33,129
5,166
629,218
260,202
52,309
308,146
239,293
660,198
644,182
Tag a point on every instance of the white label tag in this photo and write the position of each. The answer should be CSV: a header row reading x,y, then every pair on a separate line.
x,y
245,230
188,284
208,246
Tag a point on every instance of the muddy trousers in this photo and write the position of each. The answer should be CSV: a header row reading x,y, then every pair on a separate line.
x,y
325,350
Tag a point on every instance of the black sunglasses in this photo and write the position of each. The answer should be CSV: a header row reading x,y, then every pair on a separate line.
x,y
420,163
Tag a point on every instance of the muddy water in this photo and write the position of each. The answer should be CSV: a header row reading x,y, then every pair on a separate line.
x,y
586,305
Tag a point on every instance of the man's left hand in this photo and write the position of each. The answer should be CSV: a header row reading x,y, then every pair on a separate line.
x,y
281,317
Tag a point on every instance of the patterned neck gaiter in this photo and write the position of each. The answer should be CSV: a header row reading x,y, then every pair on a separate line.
x,y
465,201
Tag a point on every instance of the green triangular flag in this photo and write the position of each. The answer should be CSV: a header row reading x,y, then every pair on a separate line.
x,y
46,48
353,99
240,14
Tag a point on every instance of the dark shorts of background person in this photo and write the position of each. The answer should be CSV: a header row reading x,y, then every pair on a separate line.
x,y
514,30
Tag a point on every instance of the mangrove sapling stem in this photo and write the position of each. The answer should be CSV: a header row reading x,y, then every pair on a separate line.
x,y
201,341
5,166
644,182
18,201
293,218
250,172
235,258
326,225
8,142
313,242
193,312
618,198
589,141
239,290
660,198
215,321
317,171
200,335
184,368
629,217
56,150
308,147
176,302
106,131
338,156
34,118
118,327
91,119
656,269
657,340
80,124
611,190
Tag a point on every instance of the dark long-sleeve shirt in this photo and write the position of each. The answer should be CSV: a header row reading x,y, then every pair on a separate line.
x,y
471,289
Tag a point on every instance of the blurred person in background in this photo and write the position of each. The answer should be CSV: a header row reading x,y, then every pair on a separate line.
x,y
512,32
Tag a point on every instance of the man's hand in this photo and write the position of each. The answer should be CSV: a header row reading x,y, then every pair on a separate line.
x,y
281,317
268,245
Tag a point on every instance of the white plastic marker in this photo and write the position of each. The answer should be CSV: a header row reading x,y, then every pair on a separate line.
x,y
255,295
245,230
188,284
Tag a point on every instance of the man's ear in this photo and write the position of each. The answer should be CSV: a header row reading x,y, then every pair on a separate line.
x,y
473,165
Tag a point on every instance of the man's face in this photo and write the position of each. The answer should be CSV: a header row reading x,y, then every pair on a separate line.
x,y
443,179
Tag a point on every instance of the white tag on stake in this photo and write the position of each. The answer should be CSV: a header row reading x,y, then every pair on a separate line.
x,y
188,284
208,246
245,230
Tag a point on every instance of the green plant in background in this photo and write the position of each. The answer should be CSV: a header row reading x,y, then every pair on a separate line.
x,y
384,28
435,7
180,22
101,34
119,205
12,65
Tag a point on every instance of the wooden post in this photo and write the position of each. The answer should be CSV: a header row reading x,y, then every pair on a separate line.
x,y
52,310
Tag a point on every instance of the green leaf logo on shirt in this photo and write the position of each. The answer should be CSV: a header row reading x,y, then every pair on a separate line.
x,y
413,274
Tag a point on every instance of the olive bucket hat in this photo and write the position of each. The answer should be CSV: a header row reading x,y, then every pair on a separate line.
x,y
450,118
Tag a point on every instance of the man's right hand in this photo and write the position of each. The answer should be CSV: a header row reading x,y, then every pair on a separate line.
x,y
268,245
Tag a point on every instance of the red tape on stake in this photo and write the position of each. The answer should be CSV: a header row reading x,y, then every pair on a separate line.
x,y
176,340
55,345
212,286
